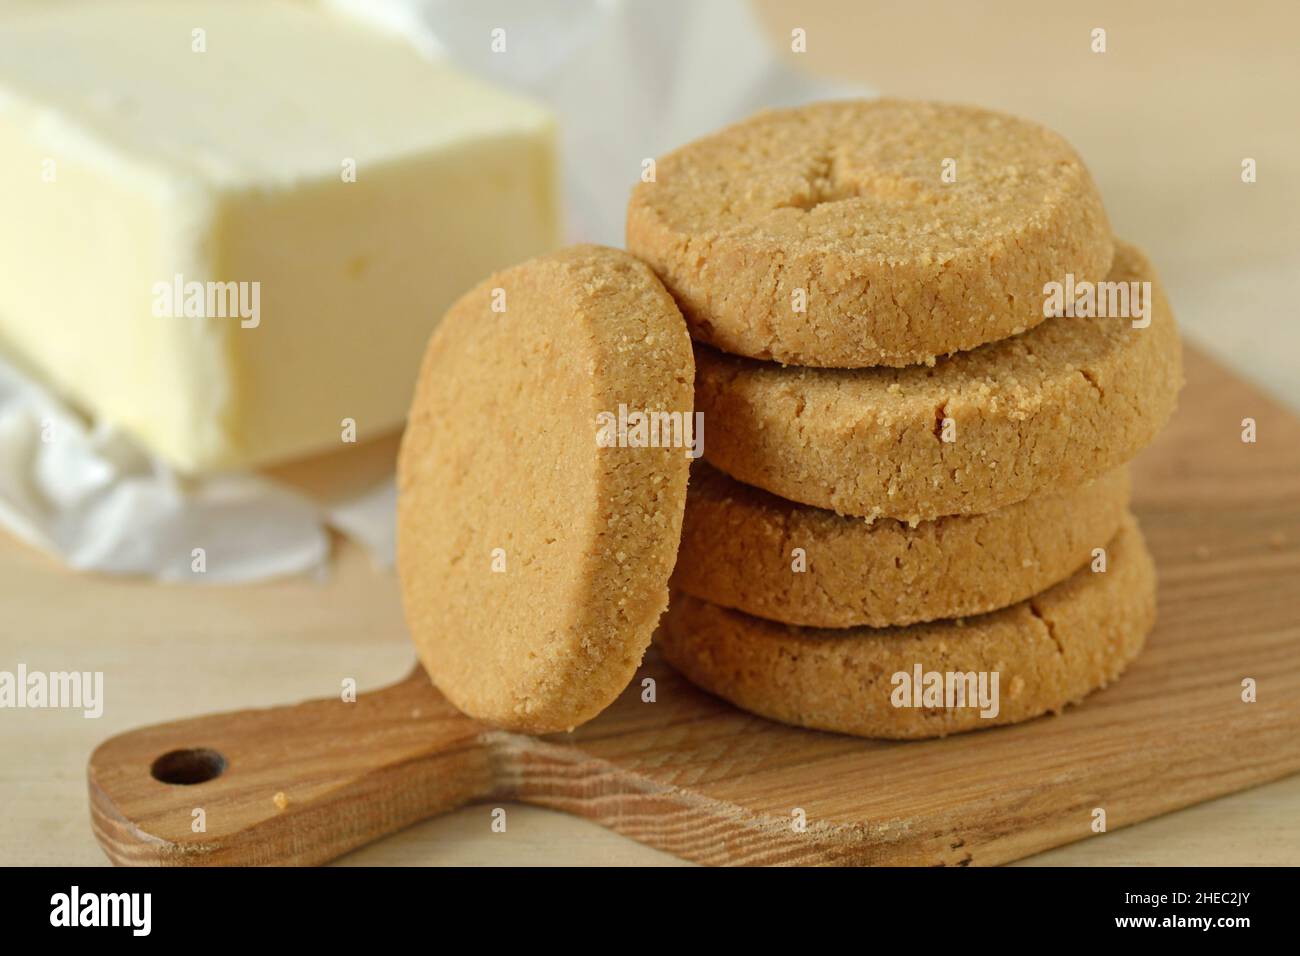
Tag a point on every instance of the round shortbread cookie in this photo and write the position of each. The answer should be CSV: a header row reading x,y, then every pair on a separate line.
x,y
851,234
747,549
1046,410
1048,651
534,558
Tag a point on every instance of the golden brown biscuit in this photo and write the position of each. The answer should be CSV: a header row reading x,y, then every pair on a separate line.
x,y
1048,651
858,233
1046,410
534,562
747,549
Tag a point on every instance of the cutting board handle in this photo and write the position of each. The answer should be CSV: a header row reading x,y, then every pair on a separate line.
x,y
299,784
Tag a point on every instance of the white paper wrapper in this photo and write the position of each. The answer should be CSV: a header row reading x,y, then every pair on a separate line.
x,y
627,81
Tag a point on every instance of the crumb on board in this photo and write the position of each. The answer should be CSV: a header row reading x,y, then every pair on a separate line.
x,y
280,800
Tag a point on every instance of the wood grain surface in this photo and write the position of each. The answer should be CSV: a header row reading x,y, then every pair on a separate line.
x,y
691,775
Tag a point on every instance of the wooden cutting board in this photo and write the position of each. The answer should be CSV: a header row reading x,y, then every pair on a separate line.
x,y
692,775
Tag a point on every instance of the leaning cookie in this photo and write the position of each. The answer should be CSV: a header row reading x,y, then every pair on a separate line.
x,y
859,233
1049,651
1049,409
747,549
534,555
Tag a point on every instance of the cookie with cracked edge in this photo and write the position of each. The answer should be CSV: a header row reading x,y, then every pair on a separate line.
x,y
534,560
850,234
1032,414
747,549
1048,651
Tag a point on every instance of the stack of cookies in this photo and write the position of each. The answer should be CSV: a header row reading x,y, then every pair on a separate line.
x,y
923,363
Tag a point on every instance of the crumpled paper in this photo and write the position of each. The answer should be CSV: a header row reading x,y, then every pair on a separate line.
x,y
627,80
88,494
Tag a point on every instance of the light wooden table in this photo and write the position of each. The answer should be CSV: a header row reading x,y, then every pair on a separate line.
x,y
1164,118
175,651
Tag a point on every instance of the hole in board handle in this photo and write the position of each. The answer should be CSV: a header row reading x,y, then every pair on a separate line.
x,y
188,767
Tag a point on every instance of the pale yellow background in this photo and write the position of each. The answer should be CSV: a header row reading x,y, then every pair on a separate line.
x,y
1164,118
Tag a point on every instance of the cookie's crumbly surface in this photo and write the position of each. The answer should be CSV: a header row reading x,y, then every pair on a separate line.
x,y
1042,411
738,551
1048,651
846,202
500,452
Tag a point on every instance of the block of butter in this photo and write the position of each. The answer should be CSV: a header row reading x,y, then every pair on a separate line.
x,y
229,226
